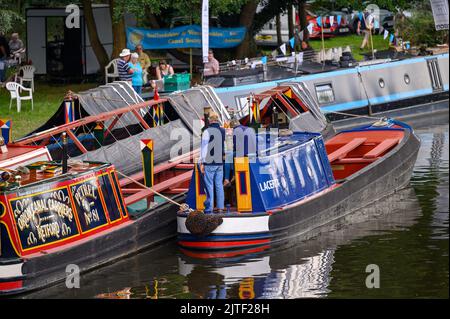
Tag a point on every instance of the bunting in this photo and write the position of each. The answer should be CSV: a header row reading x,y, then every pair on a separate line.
x,y
283,48
339,19
292,42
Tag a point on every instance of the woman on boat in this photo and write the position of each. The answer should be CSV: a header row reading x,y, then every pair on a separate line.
x,y
163,69
137,73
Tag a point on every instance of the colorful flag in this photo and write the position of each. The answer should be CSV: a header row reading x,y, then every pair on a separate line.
x,y
283,48
292,42
310,28
264,60
391,38
386,34
331,20
319,21
339,18
301,35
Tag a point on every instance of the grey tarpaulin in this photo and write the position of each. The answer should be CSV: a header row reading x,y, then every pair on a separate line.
x,y
126,154
190,105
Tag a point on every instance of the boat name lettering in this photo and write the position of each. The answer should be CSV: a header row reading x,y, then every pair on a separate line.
x,y
268,185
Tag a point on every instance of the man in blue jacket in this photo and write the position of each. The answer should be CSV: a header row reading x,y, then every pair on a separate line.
x,y
212,154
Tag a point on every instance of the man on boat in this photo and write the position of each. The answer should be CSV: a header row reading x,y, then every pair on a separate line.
x,y
244,143
211,163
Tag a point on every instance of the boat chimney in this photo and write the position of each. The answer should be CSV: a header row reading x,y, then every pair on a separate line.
x,y
64,152
275,122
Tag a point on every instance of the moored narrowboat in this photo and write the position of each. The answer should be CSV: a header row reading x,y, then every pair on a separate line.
x,y
305,183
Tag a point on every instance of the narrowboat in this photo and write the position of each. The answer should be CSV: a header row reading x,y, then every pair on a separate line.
x,y
400,88
111,188
303,183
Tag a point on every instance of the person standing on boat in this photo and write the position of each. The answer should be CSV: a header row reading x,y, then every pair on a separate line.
x,y
125,71
211,163
136,79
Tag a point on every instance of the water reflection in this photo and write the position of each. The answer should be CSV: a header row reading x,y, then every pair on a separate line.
x,y
406,234
301,268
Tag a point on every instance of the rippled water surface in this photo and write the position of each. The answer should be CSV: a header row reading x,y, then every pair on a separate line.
x,y
405,235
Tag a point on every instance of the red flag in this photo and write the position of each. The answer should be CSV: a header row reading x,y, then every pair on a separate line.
x,y
156,95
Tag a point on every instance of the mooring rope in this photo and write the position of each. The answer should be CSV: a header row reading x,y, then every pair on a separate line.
x,y
182,206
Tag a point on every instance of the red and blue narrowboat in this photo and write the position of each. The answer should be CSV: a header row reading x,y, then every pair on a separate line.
x,y
305,183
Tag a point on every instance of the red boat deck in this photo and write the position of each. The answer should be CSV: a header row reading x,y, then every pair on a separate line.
x,y
348,152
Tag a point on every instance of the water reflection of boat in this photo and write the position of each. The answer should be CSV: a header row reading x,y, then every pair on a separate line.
x,y
302,267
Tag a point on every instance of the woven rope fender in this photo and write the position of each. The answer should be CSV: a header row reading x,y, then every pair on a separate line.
x,y
201,224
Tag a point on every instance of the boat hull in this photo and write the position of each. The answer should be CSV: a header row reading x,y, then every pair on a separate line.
x,y
44,269
374,182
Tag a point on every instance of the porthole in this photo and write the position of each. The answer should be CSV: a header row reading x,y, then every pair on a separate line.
x,y
381,83
407,79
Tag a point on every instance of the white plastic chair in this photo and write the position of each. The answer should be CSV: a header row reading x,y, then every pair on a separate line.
x,y
27,75
15,89
115,72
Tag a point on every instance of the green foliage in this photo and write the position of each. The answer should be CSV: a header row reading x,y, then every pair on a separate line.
x,y
420,30
184,8
8,17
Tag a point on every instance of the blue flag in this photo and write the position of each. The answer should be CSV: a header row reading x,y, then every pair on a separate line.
x,y
339,20
408,45
391,38
264,60
292,42
377,24
319,21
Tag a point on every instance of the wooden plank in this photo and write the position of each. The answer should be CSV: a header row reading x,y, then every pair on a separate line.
x,y
381,148
341,152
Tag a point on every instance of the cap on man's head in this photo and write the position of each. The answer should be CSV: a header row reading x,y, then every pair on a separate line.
x,y
125,52
213,117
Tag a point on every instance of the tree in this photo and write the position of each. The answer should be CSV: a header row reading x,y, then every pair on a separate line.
x,y
9,16
97,47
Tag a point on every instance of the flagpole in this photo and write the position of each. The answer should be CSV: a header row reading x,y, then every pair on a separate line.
x,y
323,45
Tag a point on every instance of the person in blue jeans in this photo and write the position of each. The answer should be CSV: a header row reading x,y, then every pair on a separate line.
x,y
136,79
211,164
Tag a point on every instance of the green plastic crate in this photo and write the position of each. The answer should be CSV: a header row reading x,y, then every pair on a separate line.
x,y
177,82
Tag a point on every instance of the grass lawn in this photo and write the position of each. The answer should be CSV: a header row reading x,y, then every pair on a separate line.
x,y
354,41
47,98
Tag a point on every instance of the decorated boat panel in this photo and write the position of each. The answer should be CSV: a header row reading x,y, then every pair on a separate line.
x,y
45,215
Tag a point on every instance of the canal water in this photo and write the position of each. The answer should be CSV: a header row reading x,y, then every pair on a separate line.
x,y
405,237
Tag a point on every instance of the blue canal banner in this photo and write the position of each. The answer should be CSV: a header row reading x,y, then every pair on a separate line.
x,y
189,36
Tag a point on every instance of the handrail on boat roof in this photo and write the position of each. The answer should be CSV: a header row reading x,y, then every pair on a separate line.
x,y
87,120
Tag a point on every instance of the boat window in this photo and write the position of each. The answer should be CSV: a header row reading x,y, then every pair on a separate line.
x,y
381,83
407,79
325,93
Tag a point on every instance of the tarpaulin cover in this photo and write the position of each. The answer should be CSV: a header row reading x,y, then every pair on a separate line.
x,y
190,105
126,154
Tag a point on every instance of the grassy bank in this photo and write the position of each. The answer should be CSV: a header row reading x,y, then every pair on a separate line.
x,y
354,41
47,98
